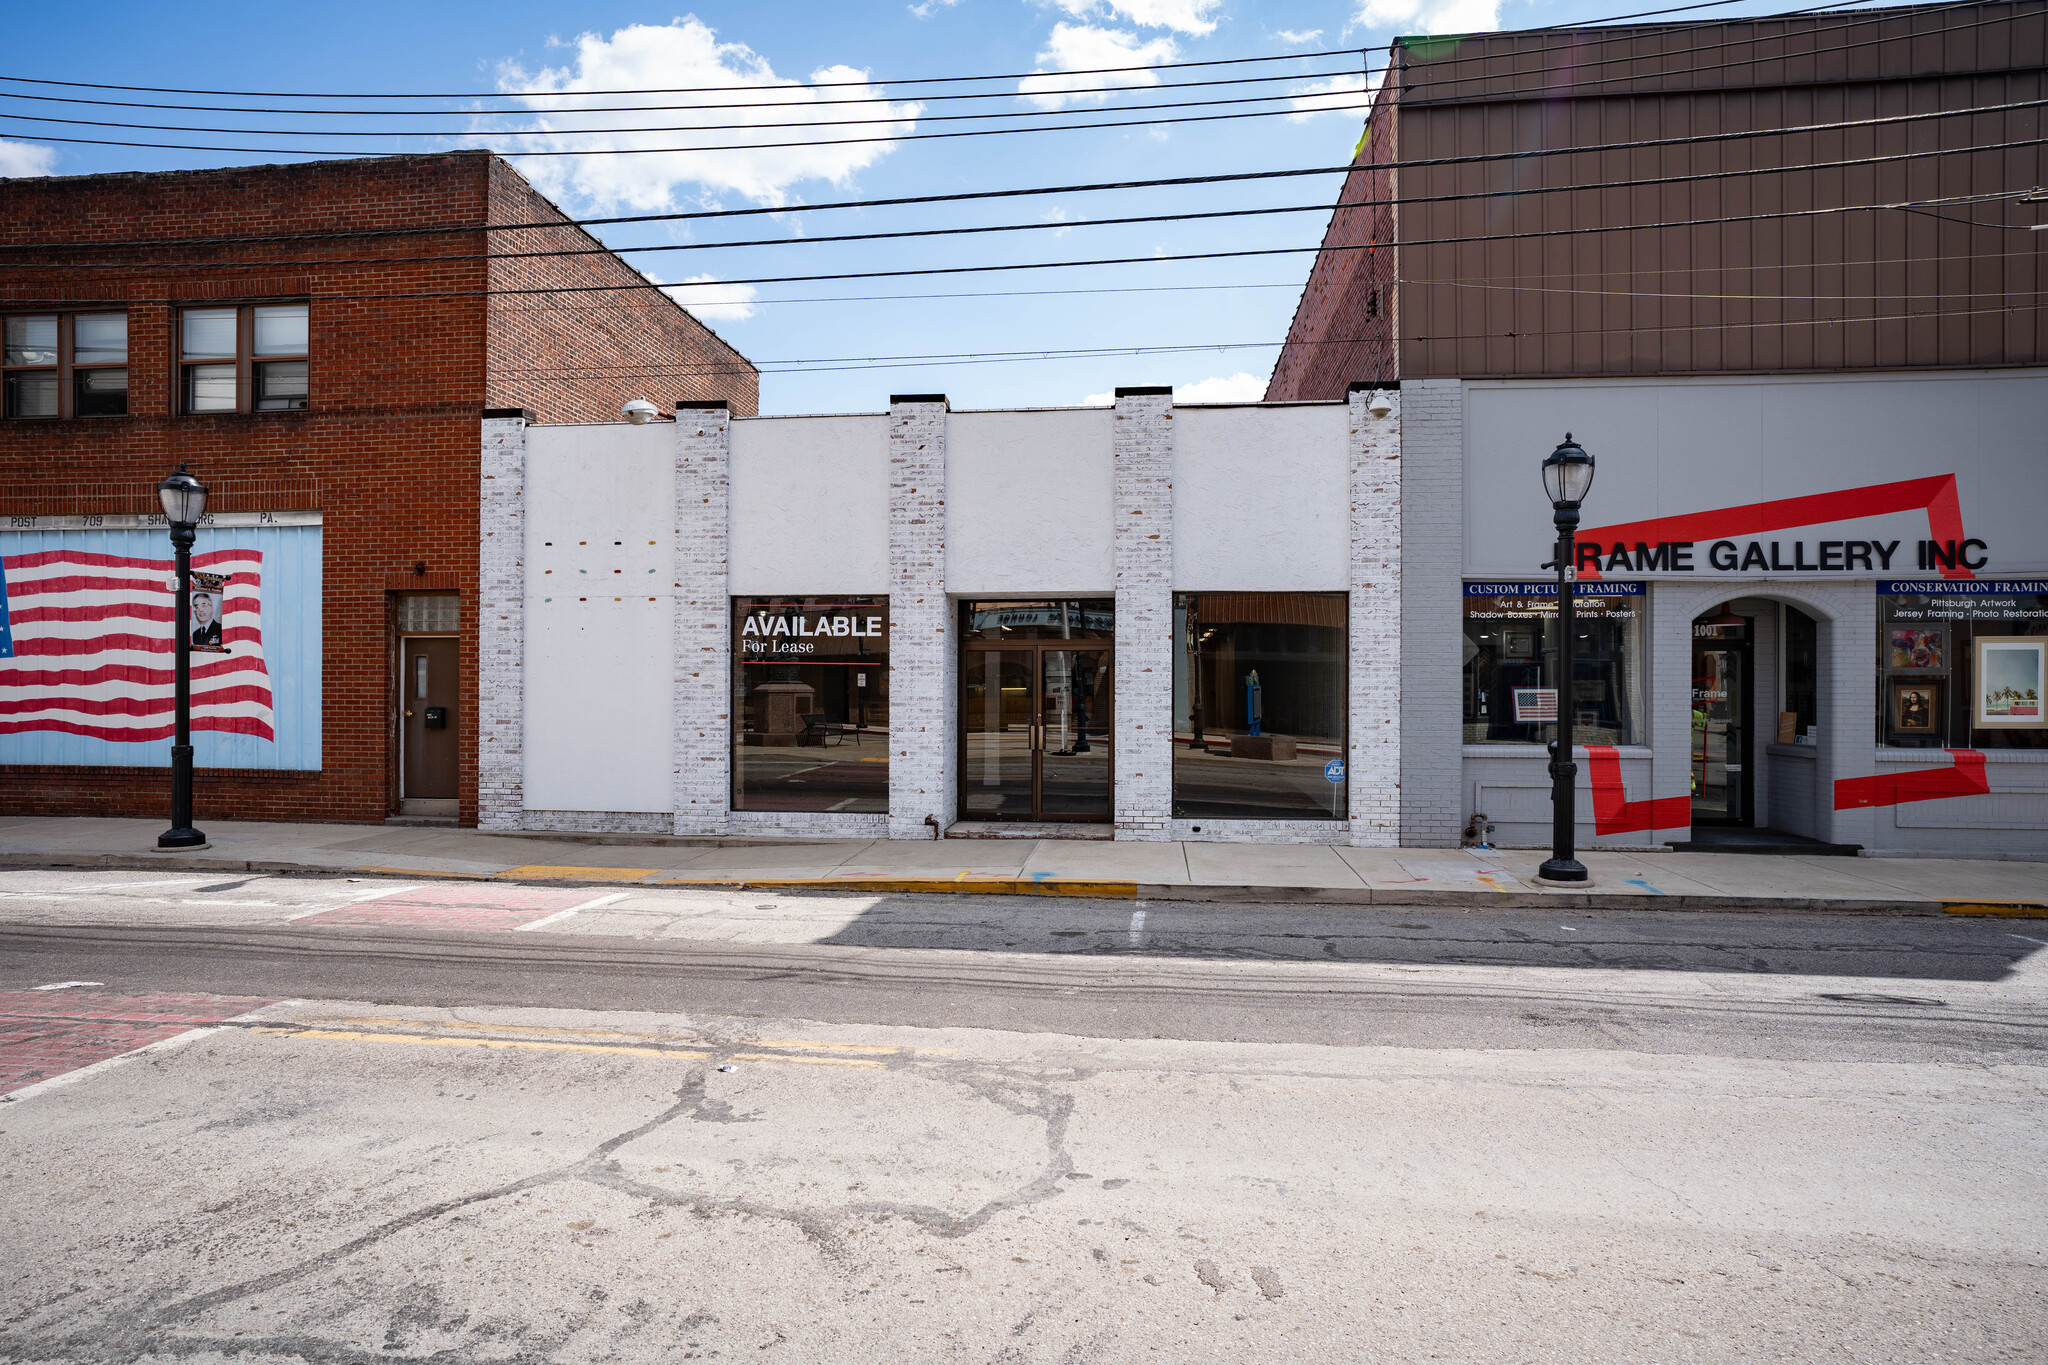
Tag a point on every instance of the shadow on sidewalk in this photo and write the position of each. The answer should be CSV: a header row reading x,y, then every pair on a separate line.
x,y
1899,947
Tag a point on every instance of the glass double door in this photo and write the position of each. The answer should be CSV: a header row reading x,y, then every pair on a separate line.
x,y
1035,721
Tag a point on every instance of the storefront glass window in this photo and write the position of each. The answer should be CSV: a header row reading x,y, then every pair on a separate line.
x,y
810,704
1259,706
1511,660
1960,663
1802,671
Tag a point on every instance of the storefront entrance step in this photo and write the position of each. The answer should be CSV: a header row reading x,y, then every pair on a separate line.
x,y
1027,829
1710,840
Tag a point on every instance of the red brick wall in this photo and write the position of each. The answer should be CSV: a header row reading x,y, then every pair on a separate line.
x,y
578,355
388,450
1343,329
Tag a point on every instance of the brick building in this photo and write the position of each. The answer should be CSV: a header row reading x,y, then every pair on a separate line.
x,y
1780,277
1606,201
319,343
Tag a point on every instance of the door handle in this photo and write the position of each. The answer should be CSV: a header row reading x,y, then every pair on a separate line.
x,y
408,715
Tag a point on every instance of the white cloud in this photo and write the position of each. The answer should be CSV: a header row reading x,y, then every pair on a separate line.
x,y
26,158
1182,16
680,54
1337,95
1236,388
924,10
1055,216
1083,47
1298,37
1430,16
712,301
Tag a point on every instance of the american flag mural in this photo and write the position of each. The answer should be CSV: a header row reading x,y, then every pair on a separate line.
x,y
91,639
87,624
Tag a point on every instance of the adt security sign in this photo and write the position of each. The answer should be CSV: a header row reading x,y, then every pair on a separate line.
x,y
1333,771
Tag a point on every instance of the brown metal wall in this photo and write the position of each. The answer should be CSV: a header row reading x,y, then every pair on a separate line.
x,y
1525,284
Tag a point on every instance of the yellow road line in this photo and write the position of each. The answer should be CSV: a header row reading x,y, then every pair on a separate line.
x,y
516,1044
537,1045
541,872
2018,909
804,1045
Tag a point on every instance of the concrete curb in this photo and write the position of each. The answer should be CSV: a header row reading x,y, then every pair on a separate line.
x,y
1388,897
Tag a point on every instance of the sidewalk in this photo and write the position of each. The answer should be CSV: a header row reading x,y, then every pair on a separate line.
x,y
1166,871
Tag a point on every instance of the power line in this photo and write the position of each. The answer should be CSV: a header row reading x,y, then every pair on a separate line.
x,y
696,215
831,364
943,118
660,108
820,85
1064,225
720,147
671,128
1947,258
650,285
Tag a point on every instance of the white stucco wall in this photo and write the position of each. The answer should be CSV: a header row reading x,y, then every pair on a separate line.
x,y
598,571
1029,502
810,505
1261,499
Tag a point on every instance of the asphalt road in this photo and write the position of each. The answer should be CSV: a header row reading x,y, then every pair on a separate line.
x,y
698,1125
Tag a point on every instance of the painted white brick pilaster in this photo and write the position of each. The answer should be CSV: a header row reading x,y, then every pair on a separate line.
x,y
922,780
501,625
1432,527
702,639
1143,742
1374,767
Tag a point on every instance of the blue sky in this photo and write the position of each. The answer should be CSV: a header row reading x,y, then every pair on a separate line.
x,y
371,46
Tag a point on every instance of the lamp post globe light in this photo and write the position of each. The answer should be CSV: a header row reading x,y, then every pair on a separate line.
x,y
1567,478
184,501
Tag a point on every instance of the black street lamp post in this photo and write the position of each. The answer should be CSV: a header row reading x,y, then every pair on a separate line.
x,y
184,500
1567,475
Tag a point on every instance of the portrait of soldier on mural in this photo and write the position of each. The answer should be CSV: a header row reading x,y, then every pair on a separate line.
x,y
209,592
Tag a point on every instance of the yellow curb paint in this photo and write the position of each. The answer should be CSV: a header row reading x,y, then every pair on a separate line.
x,y
512,1044
797,1044
2016,909
536,1045
538,872
999,886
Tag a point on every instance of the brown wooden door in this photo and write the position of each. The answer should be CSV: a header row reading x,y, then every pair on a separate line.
x,y
429,719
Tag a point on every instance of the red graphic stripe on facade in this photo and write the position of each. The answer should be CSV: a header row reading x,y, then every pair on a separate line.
x,y
141,611
1936,495
59,646
1966,778
1614,813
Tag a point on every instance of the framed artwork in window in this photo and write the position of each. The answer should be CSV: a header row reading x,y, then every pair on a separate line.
x,y
1916,707
2009,682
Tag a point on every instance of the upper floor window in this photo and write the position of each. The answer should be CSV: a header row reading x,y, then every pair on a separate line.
x,y
249,358
65,364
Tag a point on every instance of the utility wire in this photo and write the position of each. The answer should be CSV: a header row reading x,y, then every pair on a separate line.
x,y
1434,67
828,85
1939,260
829,364
697,215
650,285
719,147
917,118
1058,225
